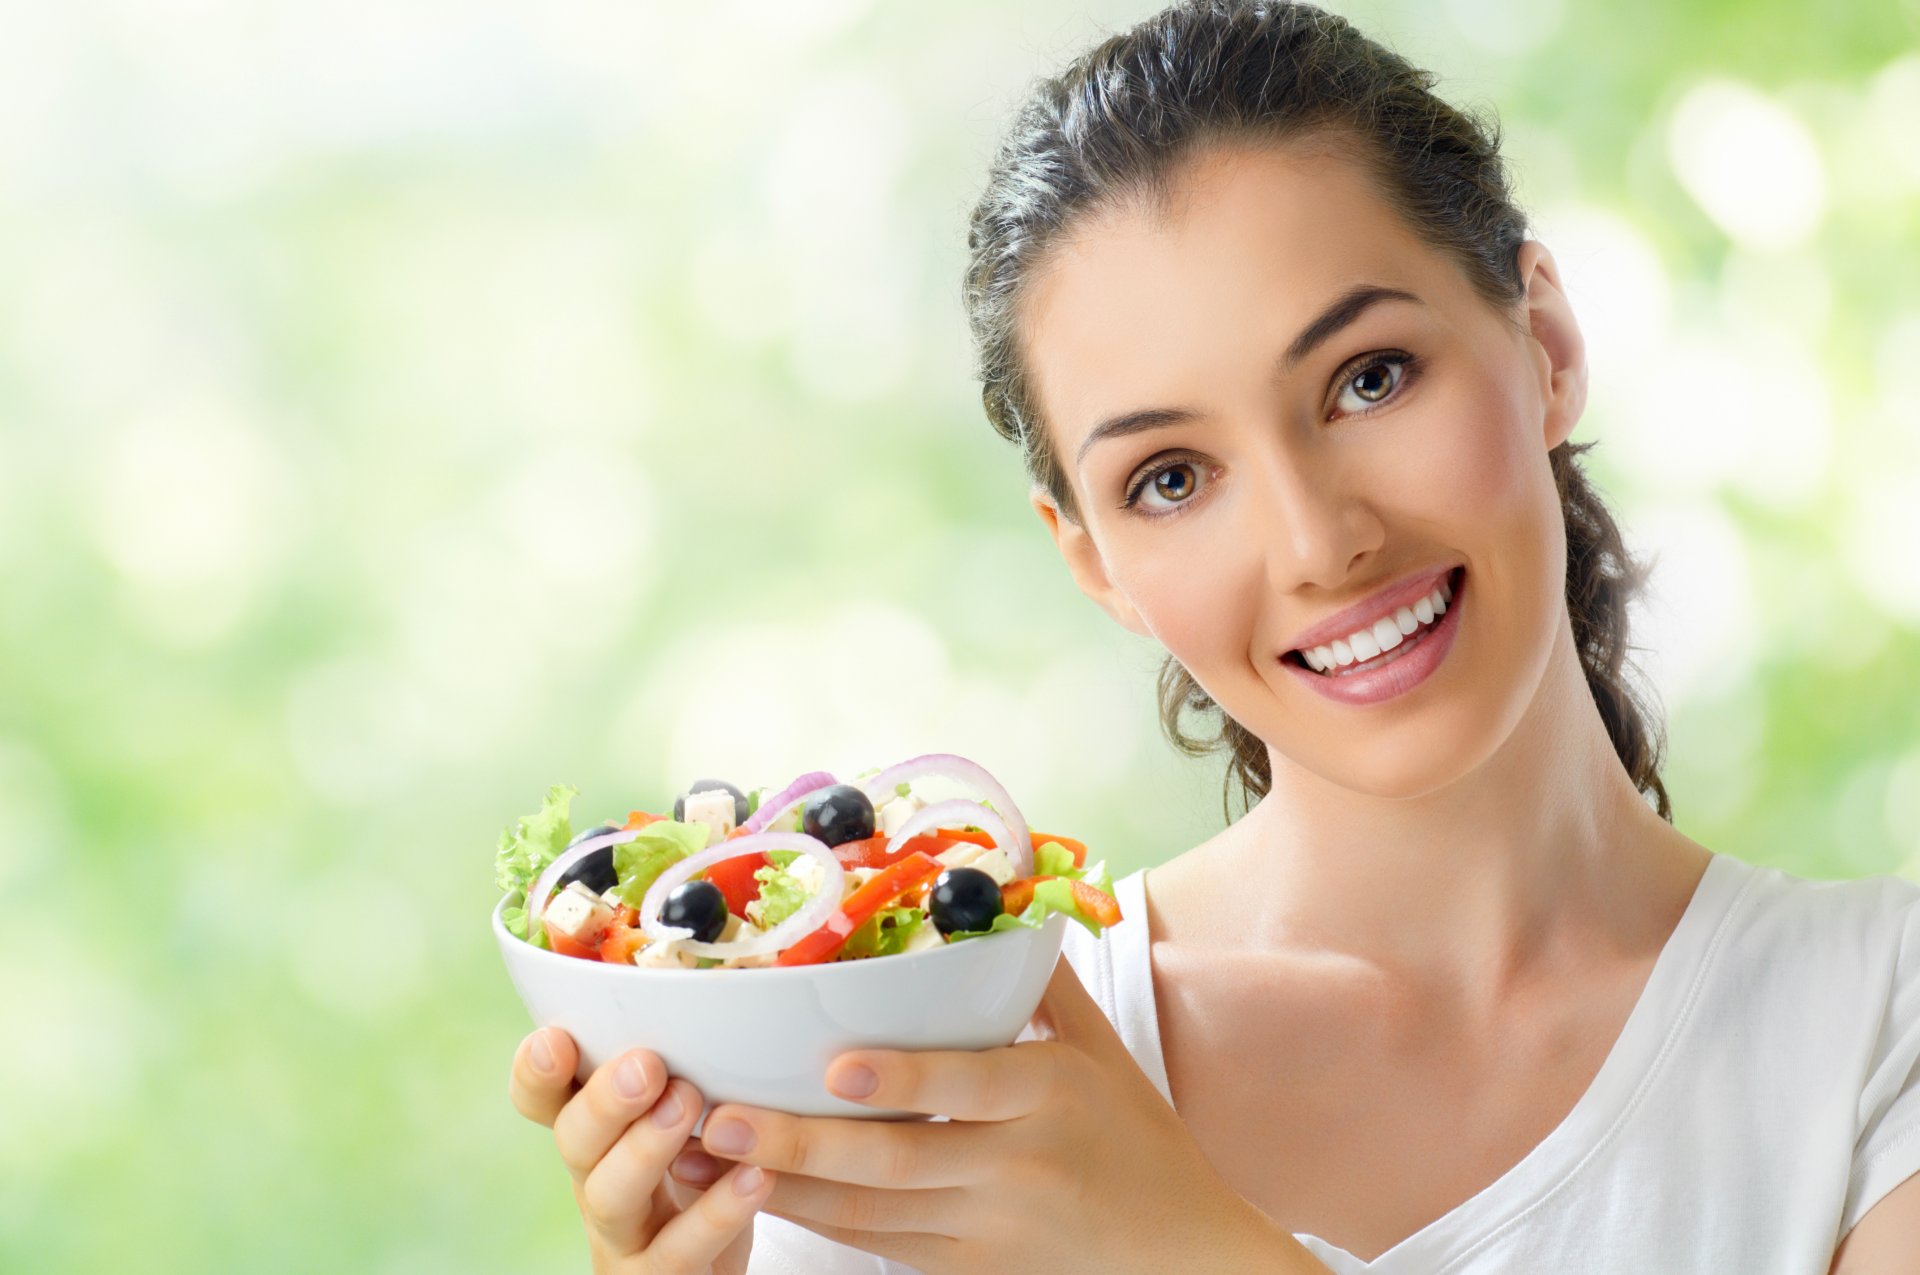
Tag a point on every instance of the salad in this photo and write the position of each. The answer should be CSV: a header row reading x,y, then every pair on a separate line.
x,y
818,871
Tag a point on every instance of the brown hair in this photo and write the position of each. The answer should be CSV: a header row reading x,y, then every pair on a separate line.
x,y
1116,126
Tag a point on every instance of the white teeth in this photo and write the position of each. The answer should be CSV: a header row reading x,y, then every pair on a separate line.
x,y
1383,634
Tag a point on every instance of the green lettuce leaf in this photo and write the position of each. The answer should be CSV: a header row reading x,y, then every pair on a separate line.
x,y
885,933
1050,897
781,895
526,849
660,845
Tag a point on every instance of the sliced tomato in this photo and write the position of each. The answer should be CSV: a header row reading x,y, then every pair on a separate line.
x,y
568,947
734,879
620,942
1078,849
872,852
889,884
640,819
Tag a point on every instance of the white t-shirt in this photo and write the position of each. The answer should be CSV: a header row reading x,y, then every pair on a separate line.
x,y
1763,1095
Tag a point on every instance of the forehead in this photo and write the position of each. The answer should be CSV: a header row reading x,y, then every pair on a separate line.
x,y
1140,305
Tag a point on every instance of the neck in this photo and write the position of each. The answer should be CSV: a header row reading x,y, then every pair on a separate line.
x,y
1532,862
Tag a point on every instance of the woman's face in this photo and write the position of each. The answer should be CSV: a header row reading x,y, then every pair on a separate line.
x,y
1413,436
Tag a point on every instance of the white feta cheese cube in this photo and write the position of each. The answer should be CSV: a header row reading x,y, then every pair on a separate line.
x,y
925,937
995,864
579,913
896,812
666,954
714,808
961,854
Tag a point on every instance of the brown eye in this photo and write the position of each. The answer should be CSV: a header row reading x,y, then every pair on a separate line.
x,y
1174,482
1374,383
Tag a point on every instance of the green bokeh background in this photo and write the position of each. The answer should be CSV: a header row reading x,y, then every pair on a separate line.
x,y
405,407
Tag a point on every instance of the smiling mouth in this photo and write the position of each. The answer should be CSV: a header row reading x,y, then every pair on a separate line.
x,y
1299,660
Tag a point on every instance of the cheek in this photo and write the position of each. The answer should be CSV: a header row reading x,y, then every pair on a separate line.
x,y
1198,595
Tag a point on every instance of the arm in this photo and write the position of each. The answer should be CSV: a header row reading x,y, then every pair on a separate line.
x,y
1884,1241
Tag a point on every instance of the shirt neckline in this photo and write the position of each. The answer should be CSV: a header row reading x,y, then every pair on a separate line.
x,y
1631,1065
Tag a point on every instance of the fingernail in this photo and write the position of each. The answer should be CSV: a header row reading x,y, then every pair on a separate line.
x,y
857,1081
629,1079
696,1167
669,1109
748,1180
542,1053
730,1137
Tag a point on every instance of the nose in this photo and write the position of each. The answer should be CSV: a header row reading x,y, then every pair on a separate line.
x,y
1314,522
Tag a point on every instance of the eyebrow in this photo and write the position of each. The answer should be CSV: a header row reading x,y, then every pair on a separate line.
x,y
1344,310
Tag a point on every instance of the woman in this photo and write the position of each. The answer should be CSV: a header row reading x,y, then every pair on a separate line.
x,y
1295,392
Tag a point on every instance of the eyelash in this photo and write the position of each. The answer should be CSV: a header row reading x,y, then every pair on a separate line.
x,y
1410,368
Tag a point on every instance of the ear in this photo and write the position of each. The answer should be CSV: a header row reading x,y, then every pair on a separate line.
x,y
1083,560
1560,352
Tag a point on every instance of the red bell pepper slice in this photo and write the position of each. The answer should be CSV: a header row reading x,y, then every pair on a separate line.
x,y
1091,899
872,851
965,834
1078,849
640,819
735,881
891,882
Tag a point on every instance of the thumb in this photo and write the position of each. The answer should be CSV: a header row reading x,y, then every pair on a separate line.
x,y
1068,1012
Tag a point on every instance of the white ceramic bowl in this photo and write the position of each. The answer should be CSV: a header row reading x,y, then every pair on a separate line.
x,y
764,1037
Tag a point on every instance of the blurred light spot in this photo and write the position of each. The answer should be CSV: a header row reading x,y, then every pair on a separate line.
x,y
78,1039
1091,708
1881,526
1751,414
33,813
356,729
1896,359
1697,635
1614,281
859,689
580,518
1894,105
194,498
1506,26
371,957
1715,783
1749,163
1783,294
1902,809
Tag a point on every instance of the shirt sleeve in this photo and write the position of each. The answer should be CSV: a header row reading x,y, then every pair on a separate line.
x,y
1887,1147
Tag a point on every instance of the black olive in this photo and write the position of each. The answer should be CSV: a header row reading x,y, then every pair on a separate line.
x,y
596,870
698,905
963,899
838,814
707,785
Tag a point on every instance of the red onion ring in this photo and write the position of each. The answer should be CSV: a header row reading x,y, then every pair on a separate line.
x,y
812,914
974,775
958,813
548,879
788,797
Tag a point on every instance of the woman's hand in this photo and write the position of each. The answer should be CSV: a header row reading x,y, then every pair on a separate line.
x,y
1059,1155
617,1135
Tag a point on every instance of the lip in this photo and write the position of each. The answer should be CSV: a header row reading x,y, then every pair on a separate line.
x,y
1411,665
1404,592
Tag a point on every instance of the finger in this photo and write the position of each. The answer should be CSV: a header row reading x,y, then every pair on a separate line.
x,y
865,1208
694,1239
986,1084
1068,1012
613,1096
542,1079
880,1153
617,1197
